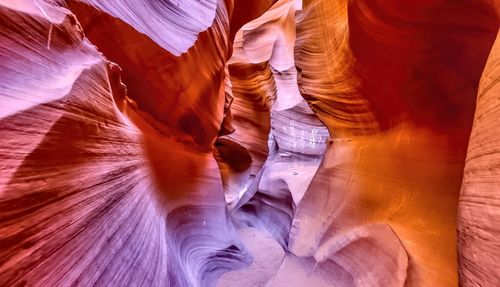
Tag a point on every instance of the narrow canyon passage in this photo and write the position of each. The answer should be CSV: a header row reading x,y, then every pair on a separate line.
x,y
273,143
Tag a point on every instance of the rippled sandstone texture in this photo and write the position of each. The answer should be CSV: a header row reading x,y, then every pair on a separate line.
x,y
249,143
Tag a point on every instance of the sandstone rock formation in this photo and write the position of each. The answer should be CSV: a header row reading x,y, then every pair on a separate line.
x,y
268,143
478,207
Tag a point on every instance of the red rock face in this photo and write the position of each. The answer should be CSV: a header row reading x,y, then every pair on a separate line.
x,y
249,143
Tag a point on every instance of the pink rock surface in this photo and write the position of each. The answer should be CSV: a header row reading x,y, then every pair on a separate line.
x,y
479,208
89,194
249,143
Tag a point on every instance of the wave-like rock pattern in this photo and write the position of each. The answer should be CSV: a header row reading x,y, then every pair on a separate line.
x,y
398,160
406,154
323,44
90,195
242,153
297,139
250,143
160,82
181,21
479,204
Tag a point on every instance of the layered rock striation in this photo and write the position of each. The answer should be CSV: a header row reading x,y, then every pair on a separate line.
x,y
249,143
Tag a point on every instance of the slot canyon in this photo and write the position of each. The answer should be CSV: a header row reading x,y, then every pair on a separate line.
x,y
252,143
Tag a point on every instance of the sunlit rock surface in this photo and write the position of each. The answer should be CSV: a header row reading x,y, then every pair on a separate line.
x,y
479,206
249,143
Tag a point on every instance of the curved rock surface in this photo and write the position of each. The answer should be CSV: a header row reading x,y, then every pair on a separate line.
x,y
249,143
479,198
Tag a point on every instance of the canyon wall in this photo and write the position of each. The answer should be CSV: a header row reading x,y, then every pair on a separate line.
x,y
249,143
